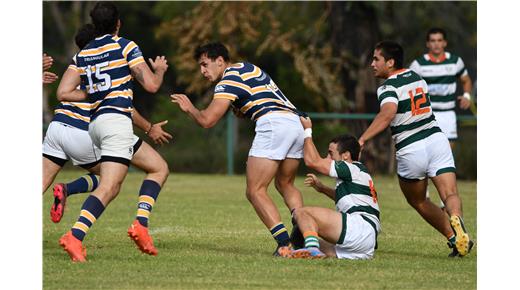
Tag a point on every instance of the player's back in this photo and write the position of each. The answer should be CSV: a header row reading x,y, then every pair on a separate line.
x,y
104,65
252,91
414,119
75,114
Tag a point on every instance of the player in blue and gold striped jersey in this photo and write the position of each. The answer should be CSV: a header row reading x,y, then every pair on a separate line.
x,y
278,143
104,68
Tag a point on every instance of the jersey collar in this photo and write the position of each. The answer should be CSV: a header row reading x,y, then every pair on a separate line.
x,y
434,59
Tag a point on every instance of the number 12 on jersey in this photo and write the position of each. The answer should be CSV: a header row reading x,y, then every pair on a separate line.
x,y
417,100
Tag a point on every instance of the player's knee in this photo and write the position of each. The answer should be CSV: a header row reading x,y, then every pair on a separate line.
x,y
283,185
298,213
163,169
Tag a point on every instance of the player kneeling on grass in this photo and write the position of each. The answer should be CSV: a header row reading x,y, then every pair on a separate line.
x,y
349,232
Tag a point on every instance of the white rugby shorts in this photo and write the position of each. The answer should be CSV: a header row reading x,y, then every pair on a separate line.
x,y
359,241
447,121
67,142
428,157
278,136
114,134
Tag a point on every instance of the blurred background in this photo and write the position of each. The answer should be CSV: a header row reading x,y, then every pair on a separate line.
x,y
318,53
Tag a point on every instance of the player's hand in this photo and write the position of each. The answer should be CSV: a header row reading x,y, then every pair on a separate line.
x,y
183,101
313,181
306,122
49,78
160,64
158,135
47,62
464,103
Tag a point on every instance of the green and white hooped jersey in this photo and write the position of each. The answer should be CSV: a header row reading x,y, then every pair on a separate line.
x,y
414,119
355,192
441,76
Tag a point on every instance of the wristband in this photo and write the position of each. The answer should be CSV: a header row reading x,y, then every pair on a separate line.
x,y
467,96
307,133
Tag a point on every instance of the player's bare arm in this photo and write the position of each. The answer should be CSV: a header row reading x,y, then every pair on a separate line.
x,y
313,181
154,131
206,118
150,81
67,88
311,156
380,123
467,86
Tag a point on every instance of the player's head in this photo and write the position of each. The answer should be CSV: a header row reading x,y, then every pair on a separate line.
x,y
344,147
85,35
212,58
436,40
388,57
105,17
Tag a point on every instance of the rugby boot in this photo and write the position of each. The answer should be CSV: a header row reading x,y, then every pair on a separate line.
x,y
307,253
283,251
455,252
139,234
60,198
73,247
462,240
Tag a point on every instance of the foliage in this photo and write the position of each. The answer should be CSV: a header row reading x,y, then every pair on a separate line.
x,y
318,53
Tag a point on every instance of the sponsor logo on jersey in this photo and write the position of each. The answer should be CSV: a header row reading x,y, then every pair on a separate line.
x,y
137,53
261,78
220,88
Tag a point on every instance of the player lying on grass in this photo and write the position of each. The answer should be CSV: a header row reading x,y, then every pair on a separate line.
x,y
350,231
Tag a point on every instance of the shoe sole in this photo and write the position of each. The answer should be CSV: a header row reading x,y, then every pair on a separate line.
x,y
58,207
462,238
134,237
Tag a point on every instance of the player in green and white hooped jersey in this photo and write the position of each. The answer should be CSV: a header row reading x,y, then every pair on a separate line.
x,y
422,150
441,69
350,231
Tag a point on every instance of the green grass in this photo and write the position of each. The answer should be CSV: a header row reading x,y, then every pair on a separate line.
x,y
209,237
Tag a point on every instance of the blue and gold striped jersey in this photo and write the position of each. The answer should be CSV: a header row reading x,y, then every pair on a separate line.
x,y
104,65
75,114
252,91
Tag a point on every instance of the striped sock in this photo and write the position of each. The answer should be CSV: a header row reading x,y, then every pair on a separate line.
x,y
86,183
280,234
90,211
311,239
147,195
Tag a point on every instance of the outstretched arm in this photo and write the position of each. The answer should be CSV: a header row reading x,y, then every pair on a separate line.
x,y
205,118
67,89
151,81
380,123
311,156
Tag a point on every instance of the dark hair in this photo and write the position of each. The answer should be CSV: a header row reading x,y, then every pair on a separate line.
x,y
85,35
392,50
348,143
436,30
104,16
211,50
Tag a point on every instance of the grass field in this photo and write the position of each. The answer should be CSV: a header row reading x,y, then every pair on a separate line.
x,y
209,237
